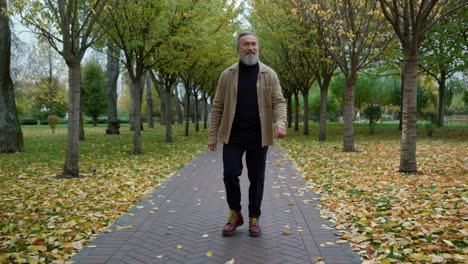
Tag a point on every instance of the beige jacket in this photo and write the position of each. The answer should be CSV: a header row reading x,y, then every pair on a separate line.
x,y
271,104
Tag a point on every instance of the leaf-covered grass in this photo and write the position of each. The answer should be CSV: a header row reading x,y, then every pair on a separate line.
x,y
43,219
387,216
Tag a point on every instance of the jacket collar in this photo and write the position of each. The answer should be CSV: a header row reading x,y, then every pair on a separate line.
x,y
235,67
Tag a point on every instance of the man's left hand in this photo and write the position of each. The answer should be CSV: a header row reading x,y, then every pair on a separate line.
x,y
280,131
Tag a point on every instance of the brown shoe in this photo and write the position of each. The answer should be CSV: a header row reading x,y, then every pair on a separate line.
x,y
235,219
254,228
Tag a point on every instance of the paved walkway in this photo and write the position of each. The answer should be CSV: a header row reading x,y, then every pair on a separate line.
x,y
192,210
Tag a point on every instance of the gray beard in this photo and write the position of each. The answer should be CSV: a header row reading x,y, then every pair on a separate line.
x,y
247,60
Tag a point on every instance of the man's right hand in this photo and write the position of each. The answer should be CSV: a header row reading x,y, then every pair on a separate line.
x,y
212,145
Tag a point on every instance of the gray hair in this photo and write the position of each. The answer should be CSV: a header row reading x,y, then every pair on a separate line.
x,y
245,33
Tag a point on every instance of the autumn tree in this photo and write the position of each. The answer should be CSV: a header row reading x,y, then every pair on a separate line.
x,y
139,28
443,53
48,98
211,55
11,136
71,27
178,51
94,90
288,47
355,34
411,20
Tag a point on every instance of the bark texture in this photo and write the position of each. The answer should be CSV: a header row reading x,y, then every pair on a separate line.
x,y
296,112
441,110
71,167
11,136
408,135
149,101
323,113
112,66
305,99
136,113
348,140
168,112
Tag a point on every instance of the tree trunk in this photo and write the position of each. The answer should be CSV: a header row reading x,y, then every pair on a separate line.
x,y
205,111
197,127
113,125
162,99
441,110
95,121
400,117
136,111
187,112
305,99
162,107
289,110
323,111
348,140
296,112
168,113
177,103
11,136
131,86
149,101
408,138
82,135
71,168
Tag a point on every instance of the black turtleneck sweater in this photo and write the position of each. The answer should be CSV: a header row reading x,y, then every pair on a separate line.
x,y
246,124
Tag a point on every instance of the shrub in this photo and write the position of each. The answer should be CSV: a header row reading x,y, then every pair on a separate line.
x,y
373,113
429,129
53,120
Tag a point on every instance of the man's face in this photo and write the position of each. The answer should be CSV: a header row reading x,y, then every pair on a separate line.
x,y
248,49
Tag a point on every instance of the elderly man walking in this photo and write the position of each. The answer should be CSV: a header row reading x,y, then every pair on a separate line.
x,y
248,100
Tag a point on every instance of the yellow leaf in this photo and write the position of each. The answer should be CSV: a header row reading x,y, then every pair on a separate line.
x,y
77,245
459,257
205,235
230,261
449,243
209,253
418,256
179,246
436,258
286,233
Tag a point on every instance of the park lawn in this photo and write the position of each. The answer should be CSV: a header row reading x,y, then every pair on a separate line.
x,y
43,219
387,216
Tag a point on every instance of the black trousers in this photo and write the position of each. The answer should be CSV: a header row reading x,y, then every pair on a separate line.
x,y
255,160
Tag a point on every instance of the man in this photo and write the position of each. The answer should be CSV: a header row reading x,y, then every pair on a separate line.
x,y
247,99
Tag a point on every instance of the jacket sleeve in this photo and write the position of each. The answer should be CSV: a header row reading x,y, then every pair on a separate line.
x,y
217,108
278,102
